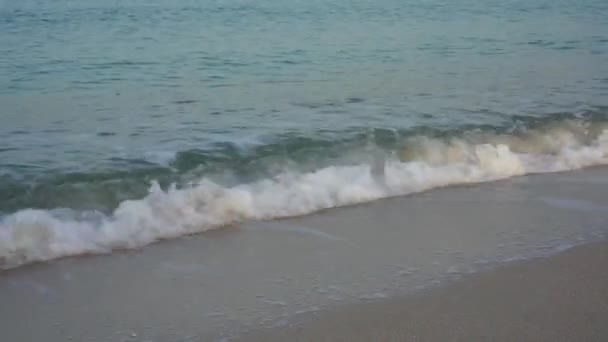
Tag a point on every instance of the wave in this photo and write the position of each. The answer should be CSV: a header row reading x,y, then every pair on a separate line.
x,y
420,162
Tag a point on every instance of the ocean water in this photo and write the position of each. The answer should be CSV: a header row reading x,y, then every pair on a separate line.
x,y
126,122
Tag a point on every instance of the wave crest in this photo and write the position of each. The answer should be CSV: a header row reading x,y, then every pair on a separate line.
x,y
423,163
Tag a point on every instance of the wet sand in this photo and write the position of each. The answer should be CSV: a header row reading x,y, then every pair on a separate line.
x,y
360,271
560,298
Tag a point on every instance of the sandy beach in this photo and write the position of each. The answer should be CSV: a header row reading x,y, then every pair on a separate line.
x,y
560,298
495,261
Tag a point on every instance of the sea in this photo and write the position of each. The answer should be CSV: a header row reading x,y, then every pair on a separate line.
x,y
123,123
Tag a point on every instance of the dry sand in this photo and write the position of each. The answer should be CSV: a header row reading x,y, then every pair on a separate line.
x,y
561,298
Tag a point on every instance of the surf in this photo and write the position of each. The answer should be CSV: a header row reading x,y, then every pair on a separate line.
x,y
416,163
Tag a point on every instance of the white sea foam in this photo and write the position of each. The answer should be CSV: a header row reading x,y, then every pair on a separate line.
x,y
35,235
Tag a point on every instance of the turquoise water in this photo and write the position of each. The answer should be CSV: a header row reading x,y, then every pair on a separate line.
x,y
101,98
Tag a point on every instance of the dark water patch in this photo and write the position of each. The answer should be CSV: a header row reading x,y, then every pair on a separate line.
x,y
143,128
106,134
222,85
540,42
21,79
483,40
189,123
19,132
316,105
333,111
110,65
492,52
157,84
355,100
183,102
103,110
80,191
87,82
565,47
22,168
287,62
130,163
114,79
41,72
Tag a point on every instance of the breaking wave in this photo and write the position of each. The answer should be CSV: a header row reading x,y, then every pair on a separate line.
x,y
417,162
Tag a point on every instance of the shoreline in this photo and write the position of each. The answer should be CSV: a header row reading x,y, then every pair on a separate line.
x,y
563,297
269,274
